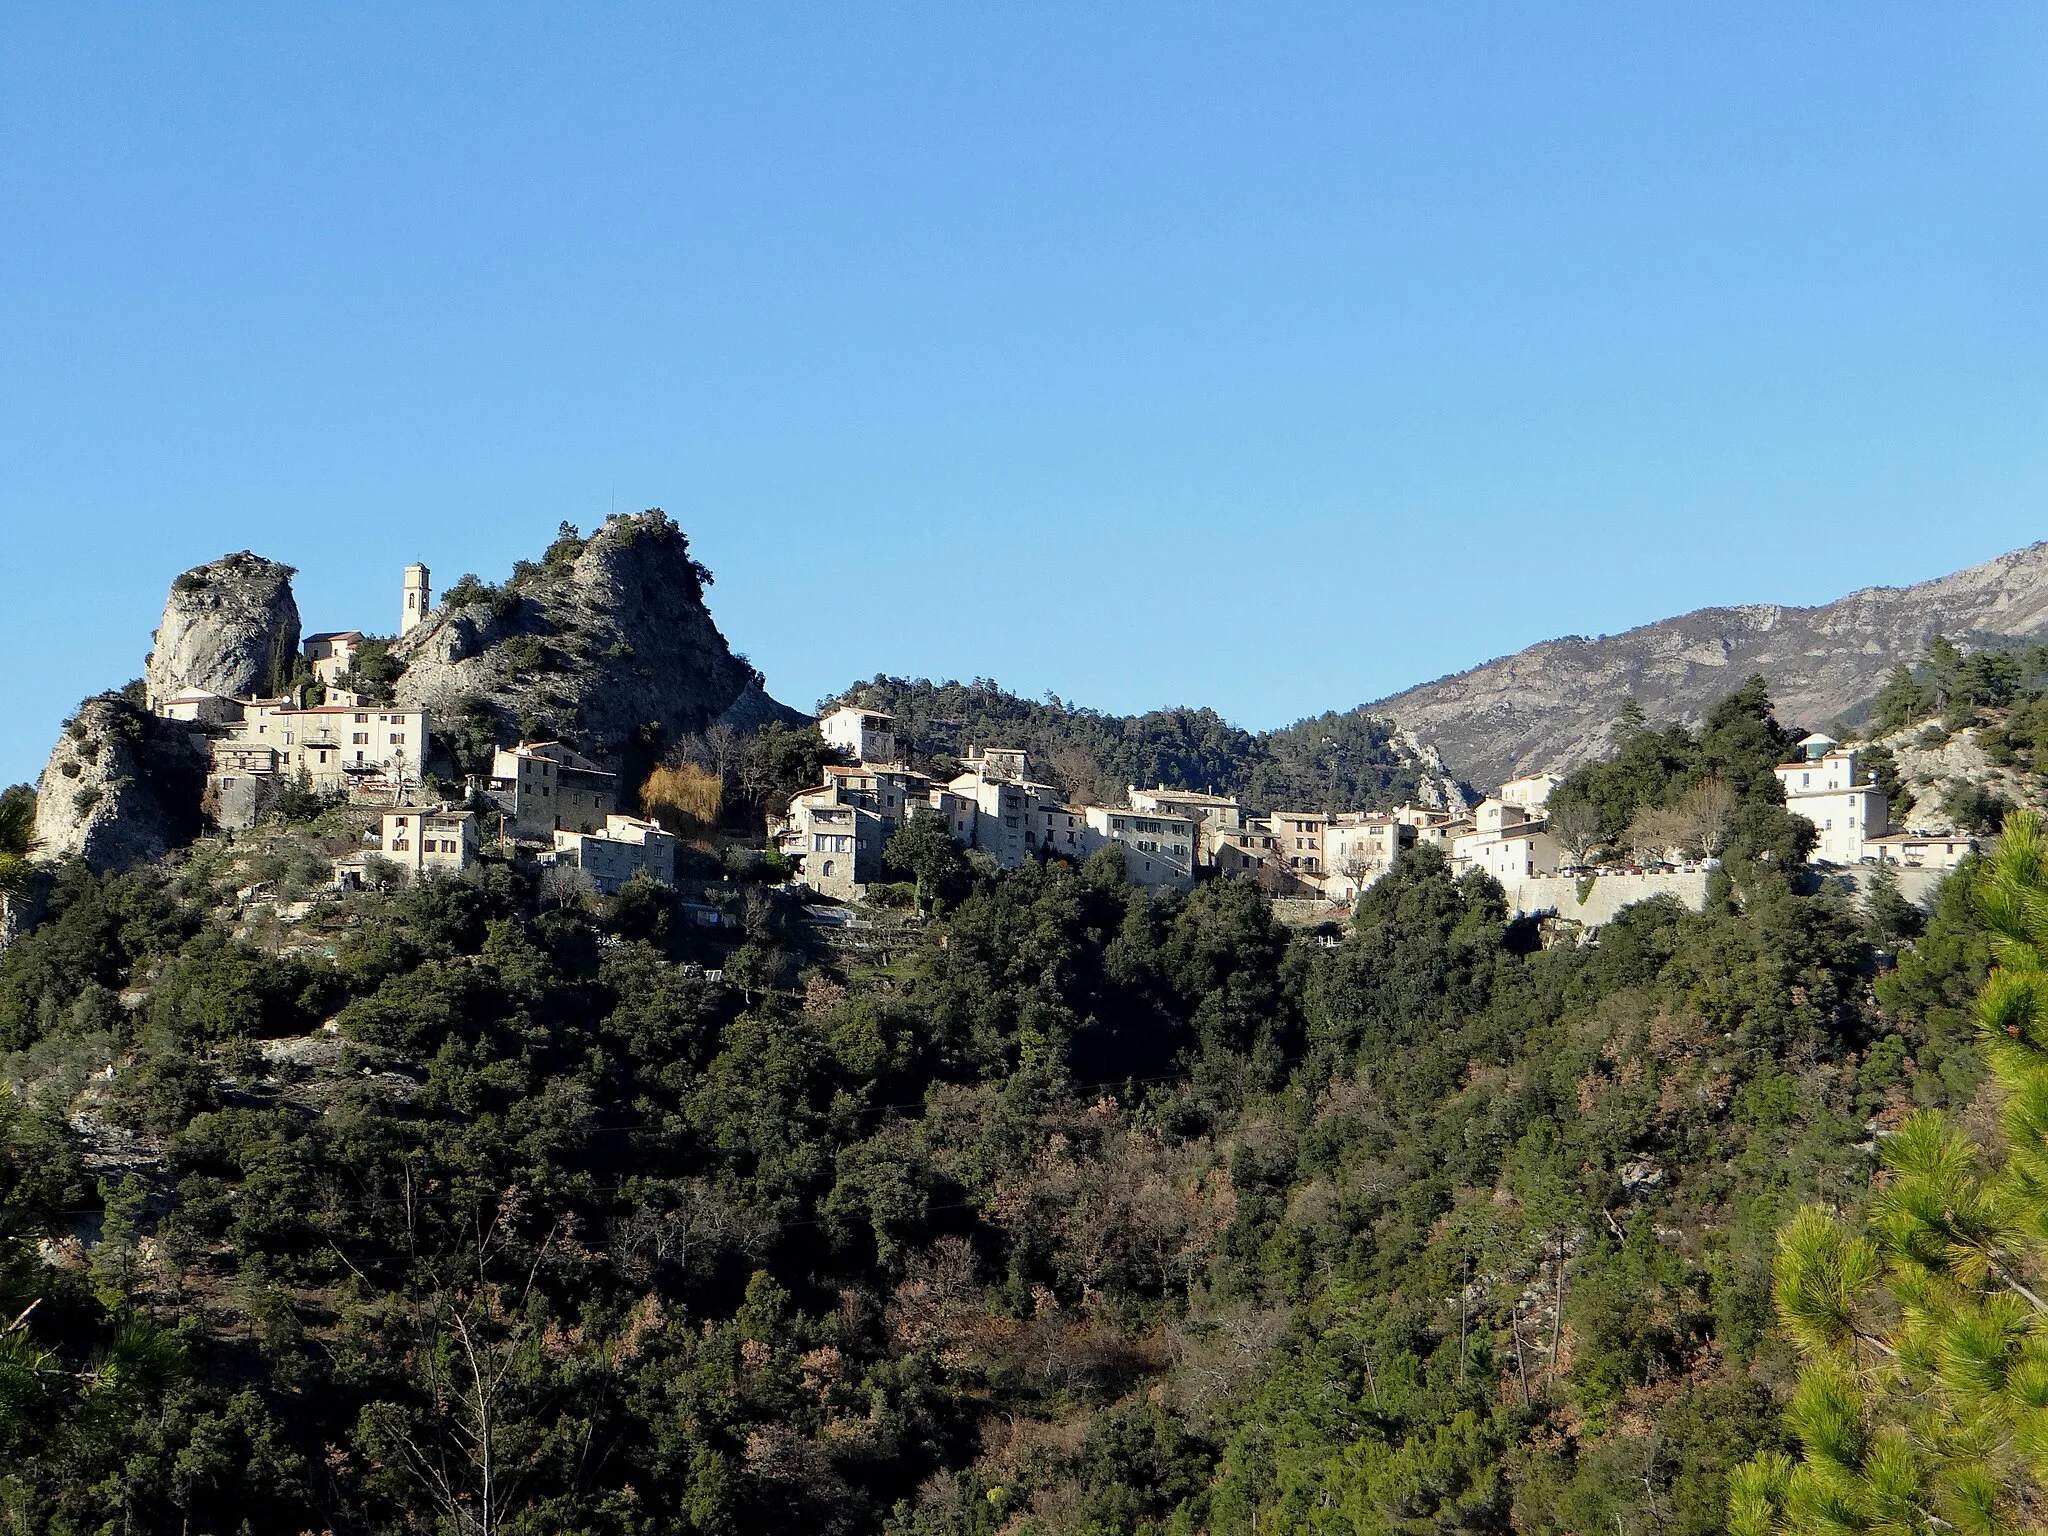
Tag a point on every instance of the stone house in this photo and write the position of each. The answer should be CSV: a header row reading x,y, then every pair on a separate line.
x,y
997,762
1298,839
613,856
836,831
1159,849
436,840
1219,819
835,839
544,787
201,708
241,781
332,653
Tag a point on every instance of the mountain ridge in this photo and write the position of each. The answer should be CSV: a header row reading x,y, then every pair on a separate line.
x,y
1550,706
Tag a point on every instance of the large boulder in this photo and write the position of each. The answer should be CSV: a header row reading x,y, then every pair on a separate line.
x,y
605,644
230,627
123,787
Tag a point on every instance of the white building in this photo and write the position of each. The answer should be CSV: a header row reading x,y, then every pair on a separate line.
x,y
1505,841
1531,792
418,598
1358,848
866,735
1920,850
338,745
1846,808
626,846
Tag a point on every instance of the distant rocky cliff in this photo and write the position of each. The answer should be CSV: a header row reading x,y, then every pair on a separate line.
x,y
606,644
230,627
1551,706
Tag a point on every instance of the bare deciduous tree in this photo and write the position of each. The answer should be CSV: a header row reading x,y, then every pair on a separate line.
x,y
652,1238
1578,829
476,1340
1707,814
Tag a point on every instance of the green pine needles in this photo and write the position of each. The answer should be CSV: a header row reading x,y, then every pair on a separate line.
x,y
1923,1402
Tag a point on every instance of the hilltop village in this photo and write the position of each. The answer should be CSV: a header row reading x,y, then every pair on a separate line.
x,y
337,734
327,738
836,832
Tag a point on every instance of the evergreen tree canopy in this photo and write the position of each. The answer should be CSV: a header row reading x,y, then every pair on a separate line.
x,y
1923,1402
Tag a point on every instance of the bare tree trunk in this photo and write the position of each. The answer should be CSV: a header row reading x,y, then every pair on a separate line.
x,y
1521,1370
1557,1322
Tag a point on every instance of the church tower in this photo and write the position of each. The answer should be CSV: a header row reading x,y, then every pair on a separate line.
x,y
419,598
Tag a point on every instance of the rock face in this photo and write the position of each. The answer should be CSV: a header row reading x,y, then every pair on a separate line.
x,y
608,647
229,627
123,787
1551,706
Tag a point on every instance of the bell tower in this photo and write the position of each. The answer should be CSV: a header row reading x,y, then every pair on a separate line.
x,y
419,597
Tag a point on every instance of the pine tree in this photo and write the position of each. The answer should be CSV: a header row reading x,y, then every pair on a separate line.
x,y
17,838
1923,1401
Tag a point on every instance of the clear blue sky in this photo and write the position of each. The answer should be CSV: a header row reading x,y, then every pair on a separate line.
x,y
1271,357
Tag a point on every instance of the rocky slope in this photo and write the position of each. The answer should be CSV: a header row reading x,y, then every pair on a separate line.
x,y
607,644
1551,705
229,627
122,788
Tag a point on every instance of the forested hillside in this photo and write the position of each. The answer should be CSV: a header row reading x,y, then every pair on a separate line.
x,y
483,1206
1332,762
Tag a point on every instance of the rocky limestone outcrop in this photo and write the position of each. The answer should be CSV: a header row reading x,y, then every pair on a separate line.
x,y
608,647
1553,705
229,627
123,787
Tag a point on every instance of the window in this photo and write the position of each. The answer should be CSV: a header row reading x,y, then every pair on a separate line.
x,y
397,738
828,866
363,720
362,739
